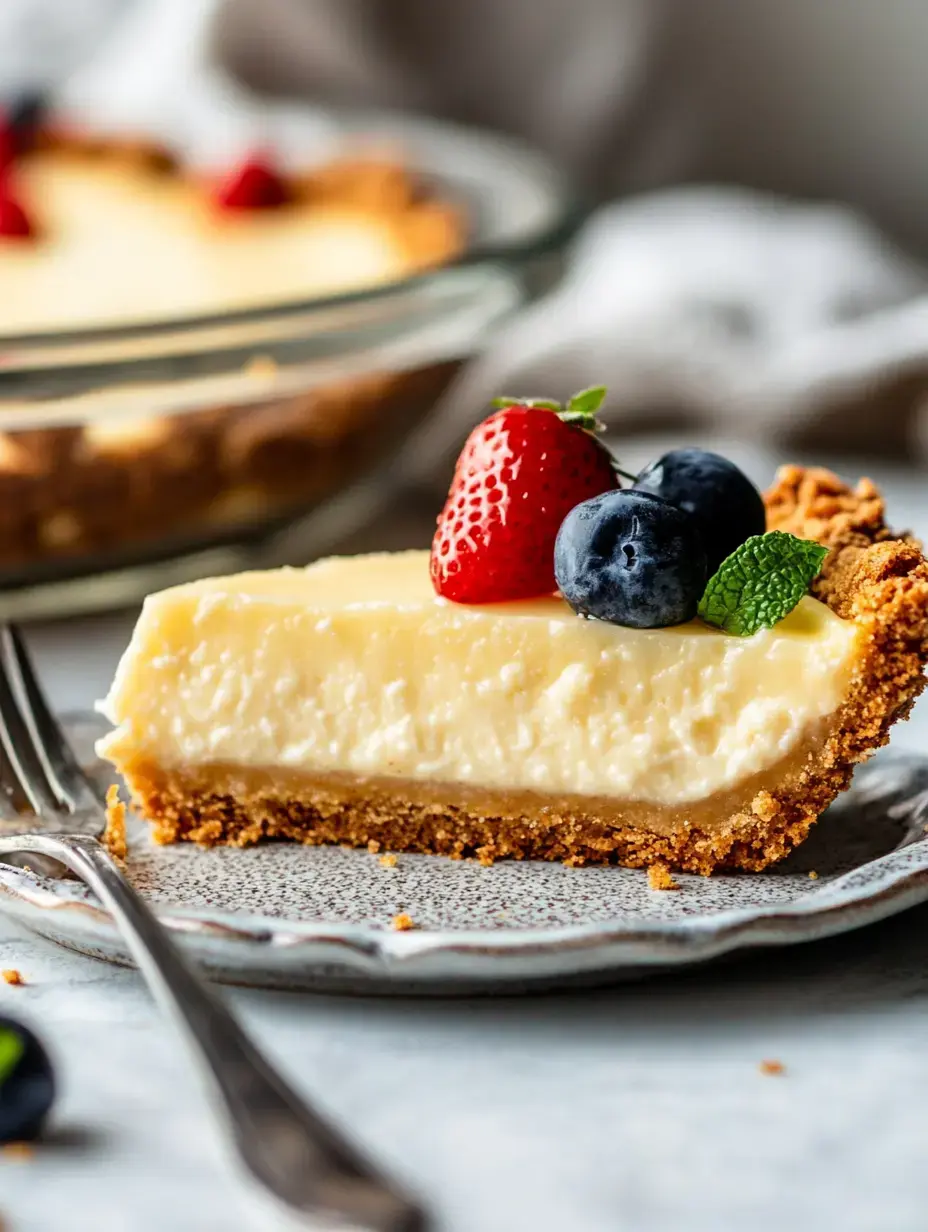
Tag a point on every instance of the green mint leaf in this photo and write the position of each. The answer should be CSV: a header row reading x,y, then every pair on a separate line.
x,y
587,402
11,1049
760,583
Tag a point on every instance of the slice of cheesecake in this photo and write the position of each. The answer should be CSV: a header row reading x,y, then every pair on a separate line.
x,y
347,703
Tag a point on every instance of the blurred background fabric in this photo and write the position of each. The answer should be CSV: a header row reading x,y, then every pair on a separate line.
x,y
755,260
784,317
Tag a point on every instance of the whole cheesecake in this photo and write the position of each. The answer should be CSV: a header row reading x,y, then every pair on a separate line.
x,y
99,234
348,702
121,237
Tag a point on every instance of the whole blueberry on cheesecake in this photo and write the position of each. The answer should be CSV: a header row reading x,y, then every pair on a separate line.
x,y
726,504
632,559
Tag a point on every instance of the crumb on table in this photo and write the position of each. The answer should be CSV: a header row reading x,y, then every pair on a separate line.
x,y
388,861
661,878
813,875
12,976
18,1150
114,835
261,366
403,922
772,1067
373,846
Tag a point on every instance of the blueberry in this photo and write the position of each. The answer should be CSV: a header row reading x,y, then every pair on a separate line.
x,y
727,504
27,1083
632,559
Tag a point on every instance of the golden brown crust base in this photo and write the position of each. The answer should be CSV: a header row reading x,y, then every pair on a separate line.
x,y
240,805
64,494
878,580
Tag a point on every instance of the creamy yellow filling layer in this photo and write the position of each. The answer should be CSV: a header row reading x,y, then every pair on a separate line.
x,y
354,665
114,247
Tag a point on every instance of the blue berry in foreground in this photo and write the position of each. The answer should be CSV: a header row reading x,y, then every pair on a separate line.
x,y
728,506
632,559
27,1083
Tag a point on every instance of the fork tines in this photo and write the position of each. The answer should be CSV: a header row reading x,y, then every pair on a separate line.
x,y
38,769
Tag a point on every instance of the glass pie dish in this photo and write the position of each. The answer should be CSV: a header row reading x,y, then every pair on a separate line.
x,y
138,453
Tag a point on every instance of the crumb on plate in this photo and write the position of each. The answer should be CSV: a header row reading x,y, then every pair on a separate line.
x,y
114,835
388,861
403,922
261,367
12,976
773,1068
661,878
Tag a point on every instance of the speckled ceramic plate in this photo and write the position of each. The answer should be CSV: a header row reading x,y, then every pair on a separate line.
x,y
287,916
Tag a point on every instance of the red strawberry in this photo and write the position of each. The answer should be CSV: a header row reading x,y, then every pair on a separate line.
x,y
519,474
14,221
254,185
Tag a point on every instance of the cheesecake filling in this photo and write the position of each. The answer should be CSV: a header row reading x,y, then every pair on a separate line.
x,y
118,248
354,667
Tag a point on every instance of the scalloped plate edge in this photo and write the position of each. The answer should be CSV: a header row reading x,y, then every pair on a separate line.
x,y
267,952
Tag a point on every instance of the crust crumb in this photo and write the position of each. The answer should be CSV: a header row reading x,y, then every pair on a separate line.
x,y
114,835
764,806
660,878
402,923
209,833
772,1068
815,504
12,976
18,1150
261,367
388,861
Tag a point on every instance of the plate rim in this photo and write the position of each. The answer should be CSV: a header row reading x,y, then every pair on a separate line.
x,y
217,937
261,950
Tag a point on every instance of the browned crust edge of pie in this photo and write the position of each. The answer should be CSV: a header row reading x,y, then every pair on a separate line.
x,y
871,576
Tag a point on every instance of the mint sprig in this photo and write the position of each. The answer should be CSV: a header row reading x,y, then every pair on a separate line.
x,y
760,583
11,1050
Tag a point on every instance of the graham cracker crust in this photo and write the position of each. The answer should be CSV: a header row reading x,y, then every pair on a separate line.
x,y
871,576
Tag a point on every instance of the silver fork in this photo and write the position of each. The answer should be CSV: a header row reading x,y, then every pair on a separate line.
x,y
316,1176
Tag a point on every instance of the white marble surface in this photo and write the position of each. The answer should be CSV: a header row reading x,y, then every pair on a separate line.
x,y
635,1109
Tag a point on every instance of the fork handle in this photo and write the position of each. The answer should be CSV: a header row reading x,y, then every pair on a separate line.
x,y
287,1147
